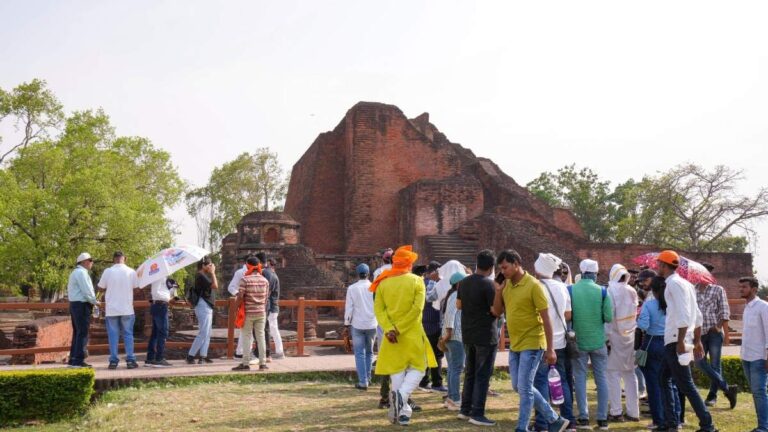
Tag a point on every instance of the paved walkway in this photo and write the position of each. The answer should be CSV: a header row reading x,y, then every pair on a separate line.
x,y
319,362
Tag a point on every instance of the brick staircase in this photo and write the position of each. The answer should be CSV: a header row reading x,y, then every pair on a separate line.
x,y
444,248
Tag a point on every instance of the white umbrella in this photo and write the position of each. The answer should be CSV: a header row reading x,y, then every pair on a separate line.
x,y
168,261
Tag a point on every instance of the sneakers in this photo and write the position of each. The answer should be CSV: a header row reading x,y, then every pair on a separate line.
x,y
112,366
263,367
254,362
414,407
241,367
205,360
482,421
440,389
451,405
131,364
190,359
462,416
403,420
616,418
361,387
149,363
559,425
278,356
583,424
629,418
425,389
238,356
602,425
710,402
732,393
161,363
80,366
383,403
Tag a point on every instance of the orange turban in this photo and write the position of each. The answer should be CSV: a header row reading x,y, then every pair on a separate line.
x,y
402,262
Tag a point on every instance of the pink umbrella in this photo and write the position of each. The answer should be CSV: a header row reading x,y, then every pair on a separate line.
x,y
689,269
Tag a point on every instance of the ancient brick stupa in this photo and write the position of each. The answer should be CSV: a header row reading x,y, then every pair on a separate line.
x,y
380,180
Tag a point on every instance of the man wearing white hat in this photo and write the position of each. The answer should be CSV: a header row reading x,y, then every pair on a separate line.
x,y
82,298
591,306
559,314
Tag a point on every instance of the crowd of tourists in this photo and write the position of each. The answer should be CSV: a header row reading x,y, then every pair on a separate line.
x,y
255,285
641,334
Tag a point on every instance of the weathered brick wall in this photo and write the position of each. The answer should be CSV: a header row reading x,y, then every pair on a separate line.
x,y
53,331
437,206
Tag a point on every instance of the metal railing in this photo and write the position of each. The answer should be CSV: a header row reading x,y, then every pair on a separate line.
x,y
300,344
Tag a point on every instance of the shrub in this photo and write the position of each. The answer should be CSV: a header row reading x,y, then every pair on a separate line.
x,y
732,372
44,394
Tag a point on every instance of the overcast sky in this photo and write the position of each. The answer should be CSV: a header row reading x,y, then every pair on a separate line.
x,y
626,88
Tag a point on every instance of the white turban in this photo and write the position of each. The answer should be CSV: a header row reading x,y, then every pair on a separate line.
x,y
588,266
547,264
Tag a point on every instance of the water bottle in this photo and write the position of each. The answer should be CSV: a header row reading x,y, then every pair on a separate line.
x,y
555,386
96,311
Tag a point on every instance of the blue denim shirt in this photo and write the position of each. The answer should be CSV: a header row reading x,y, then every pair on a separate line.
x,y
652,319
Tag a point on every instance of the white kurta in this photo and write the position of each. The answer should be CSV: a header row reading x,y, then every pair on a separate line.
x,y
621,331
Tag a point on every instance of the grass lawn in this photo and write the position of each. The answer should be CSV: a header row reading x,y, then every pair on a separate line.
x,y
247,404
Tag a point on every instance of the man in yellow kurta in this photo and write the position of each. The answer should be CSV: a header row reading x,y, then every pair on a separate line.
x,y
405,352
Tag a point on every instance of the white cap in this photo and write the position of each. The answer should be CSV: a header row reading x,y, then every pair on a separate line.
x,y
546,264
83,257
588,266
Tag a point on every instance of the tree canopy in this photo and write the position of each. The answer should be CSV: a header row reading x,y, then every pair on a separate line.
x,y
687,207
79,188
250,182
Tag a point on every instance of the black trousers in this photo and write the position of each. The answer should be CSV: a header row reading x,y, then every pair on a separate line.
x,y
80,312
434,374
477,378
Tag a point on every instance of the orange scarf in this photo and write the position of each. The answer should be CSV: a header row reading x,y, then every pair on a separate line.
x,y
402,262
251,269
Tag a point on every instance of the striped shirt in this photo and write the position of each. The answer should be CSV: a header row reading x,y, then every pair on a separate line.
x,y
255,290
713,304
452,318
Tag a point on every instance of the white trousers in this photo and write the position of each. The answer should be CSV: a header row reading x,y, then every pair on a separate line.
x,y
615,378
405,383
273,330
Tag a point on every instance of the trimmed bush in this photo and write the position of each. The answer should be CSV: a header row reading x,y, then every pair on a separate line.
x,y
732,372
44,394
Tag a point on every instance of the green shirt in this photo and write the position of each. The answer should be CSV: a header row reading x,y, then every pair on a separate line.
x,y
522,303
590,312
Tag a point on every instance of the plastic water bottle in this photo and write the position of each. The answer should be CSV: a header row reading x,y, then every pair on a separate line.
x,y
96,311
555,386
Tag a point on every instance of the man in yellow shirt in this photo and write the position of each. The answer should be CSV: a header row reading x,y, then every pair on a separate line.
x,y
522,297
405,352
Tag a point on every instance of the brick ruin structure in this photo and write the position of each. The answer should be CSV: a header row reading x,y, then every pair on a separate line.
x,y
380,180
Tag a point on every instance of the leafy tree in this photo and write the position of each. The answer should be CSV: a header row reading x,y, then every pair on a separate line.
x,y
581,191
686,208
250,182
35,112
85,190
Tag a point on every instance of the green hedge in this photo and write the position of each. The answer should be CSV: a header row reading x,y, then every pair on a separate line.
x,y
732,372
44,394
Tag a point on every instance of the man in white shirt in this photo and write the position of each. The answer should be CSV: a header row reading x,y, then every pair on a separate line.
x,y
232,289
119,281
163,293
559,314
359,315
682,334
755,351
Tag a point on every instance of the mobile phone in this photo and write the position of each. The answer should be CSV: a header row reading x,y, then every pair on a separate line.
x,y
500,278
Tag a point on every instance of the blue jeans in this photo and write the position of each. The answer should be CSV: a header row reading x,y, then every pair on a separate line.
x,y
640,381
713,346
757,377
522,371
80,313
455,359
654,386
684,382
599,358
204,314
477,379
156,347
114,325
362,343
541,382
